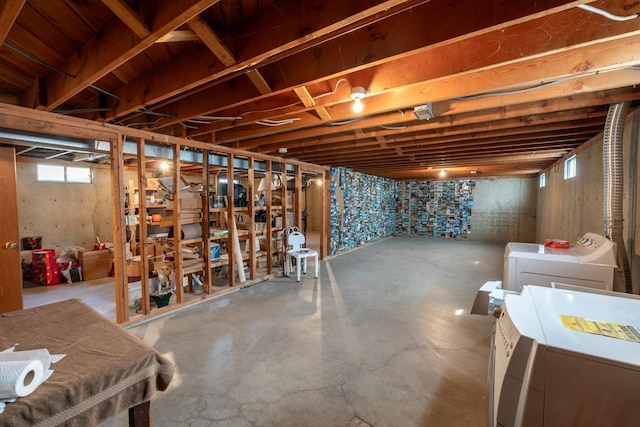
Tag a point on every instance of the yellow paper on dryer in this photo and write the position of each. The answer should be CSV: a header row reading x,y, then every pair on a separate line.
x,y
607,329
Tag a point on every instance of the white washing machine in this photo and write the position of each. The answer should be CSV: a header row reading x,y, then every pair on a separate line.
x,y
564,357
590,262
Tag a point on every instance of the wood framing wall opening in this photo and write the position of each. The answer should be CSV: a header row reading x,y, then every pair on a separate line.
x,y
186,196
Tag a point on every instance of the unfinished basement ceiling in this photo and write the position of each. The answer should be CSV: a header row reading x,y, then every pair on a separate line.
x,y
497,88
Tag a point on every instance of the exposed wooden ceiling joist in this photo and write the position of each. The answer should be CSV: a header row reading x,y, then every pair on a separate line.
x,y
502,79
8,14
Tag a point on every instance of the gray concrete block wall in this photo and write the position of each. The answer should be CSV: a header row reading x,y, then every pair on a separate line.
x,y
504,210
64,214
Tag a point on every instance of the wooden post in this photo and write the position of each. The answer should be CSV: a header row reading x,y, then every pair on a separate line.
x,y
177,228
140,415
297,196
268,179
206,216
251,212
142,220
325,221
119,233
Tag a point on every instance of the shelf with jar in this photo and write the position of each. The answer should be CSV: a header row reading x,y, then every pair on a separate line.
x,y
156,203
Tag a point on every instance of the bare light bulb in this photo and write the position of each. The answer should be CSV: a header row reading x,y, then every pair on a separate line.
x,y
357,93
357,105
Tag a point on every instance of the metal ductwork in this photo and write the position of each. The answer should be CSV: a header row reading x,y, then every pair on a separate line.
x,y
613,185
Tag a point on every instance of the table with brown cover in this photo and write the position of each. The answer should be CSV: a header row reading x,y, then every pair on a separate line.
x,y
106,370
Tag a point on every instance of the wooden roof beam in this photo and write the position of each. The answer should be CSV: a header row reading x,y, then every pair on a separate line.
x,y
477,149
226,57
128,16
485,49
99,56
365,157
211,40
455,125
9,12
460,161
256,50
462,147
309,102
474,111
585,61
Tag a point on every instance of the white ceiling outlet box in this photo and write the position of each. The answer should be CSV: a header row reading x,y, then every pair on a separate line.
x,y
424,112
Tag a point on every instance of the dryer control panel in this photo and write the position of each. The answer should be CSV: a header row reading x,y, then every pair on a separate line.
x,y
595,249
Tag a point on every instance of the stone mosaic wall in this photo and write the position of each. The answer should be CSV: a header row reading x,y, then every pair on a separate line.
x,y
436,208
362,209
365,208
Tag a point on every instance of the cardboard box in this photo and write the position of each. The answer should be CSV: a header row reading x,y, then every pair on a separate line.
x,y
189,262
95,264
193,202
275,241
133,267
262,243
153,184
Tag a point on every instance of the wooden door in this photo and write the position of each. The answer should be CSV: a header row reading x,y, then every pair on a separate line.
x,y
10,269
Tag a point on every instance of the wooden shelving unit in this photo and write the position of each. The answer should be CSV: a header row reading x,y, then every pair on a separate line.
x,y
249,250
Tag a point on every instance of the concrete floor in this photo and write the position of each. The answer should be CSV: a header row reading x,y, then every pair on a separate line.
x,y
384,334
97,293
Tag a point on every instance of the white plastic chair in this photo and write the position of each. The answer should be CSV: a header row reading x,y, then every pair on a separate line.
x,y
296,240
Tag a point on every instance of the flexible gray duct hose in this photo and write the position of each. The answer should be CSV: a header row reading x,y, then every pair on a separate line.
x,y
613,185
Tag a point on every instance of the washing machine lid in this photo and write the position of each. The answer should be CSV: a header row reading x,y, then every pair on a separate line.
x,y
551,303
589,249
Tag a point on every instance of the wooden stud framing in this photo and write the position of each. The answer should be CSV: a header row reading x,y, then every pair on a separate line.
x,y
118,185
251,212
177,226
206,221
23,119
143,250
268,178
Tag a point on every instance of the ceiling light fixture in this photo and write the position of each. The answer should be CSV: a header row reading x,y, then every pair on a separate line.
x,y
357,93
442,173
282,150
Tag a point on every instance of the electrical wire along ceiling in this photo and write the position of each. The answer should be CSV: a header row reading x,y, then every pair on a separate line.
x,y
400,89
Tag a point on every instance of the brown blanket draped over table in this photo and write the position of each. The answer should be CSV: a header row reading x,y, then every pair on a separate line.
x,y
106,370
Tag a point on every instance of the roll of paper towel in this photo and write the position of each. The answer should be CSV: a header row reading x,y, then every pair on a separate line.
x,y
21,372
19,378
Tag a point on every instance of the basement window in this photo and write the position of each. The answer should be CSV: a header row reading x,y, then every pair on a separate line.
x,y
570,167
56,173
542,180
